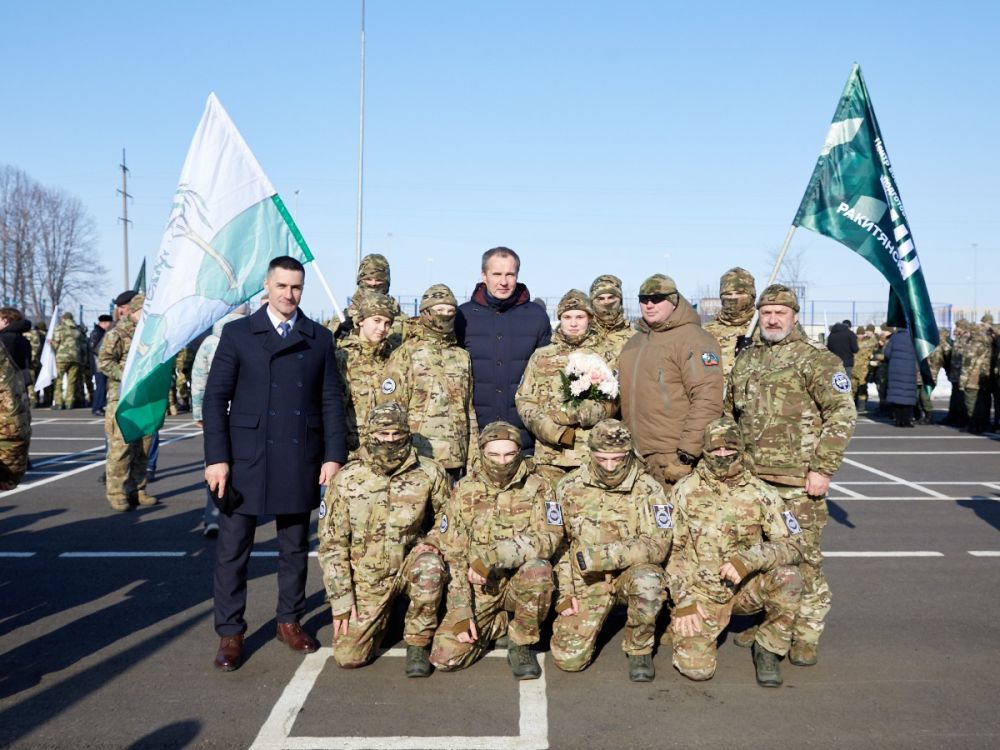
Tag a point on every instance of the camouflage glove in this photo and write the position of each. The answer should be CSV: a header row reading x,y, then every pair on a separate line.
x,y
589,413
564,416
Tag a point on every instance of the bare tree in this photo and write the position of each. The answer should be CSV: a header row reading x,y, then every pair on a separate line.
x,y
47,240
793,272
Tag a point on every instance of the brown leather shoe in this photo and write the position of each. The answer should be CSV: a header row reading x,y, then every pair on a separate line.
x,y
230,654
293,636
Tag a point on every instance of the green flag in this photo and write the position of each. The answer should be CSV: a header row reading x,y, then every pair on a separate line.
x,y
140,279
853,198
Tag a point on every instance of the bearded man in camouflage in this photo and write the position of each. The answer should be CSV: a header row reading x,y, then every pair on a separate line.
x,y
501,527
618,529
795,408
370,546
738,292
720,564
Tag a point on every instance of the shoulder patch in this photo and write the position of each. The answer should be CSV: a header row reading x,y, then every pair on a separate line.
x,y
388,386
664,516
791,522
553,514
443,526
322,508
710,359
841,383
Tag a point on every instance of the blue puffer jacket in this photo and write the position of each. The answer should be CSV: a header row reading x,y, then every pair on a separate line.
x,y
500,337
902,386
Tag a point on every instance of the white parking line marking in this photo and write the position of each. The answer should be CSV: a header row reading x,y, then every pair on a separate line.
x,y
893,477
850,493
984,552
916,437
275,734
41,437
916,553
141,553
18,555
923,453
942,484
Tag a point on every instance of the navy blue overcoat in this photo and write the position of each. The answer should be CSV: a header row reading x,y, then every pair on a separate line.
x,y
273,410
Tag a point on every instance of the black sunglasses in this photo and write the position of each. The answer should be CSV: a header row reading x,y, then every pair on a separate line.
x,y
652,299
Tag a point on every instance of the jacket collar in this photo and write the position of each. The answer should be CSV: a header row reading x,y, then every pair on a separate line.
x,y
520,296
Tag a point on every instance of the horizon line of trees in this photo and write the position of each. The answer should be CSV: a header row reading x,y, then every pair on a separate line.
x,y
47,246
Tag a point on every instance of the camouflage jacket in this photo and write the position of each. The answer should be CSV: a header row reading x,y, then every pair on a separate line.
x,y
361,367
725,521
539,400
68,343
611,341
37,340
368,522
203,363
432,378
795,408
727,334
863,358
976,351
495,530
15,423
114,352
608,531
940,357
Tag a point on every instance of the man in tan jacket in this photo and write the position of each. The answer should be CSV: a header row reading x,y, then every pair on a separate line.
x,y
671,381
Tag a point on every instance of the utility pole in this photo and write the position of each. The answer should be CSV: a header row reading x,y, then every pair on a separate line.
x,y
361,145
124,218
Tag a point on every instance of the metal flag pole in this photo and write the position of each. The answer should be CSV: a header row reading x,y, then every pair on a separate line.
x,y
361,145
774,274
326,288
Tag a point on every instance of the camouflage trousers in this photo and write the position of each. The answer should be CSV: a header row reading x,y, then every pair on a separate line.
x,y
640,588
977,408
421,579
527,594
65,397
125,470
812,515
775,592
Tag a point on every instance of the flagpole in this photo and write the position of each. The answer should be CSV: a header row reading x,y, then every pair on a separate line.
x,y
361,147
326,287
774,273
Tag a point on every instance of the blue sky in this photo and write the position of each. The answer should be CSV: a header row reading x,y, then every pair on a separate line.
x,y
592,137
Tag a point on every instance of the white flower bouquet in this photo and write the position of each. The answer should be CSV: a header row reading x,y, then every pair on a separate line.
x,y
588,377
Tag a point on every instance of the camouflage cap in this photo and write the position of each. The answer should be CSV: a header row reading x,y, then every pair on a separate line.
x,y
67,316
439,294
388,416
987,318
373,303
860,330
738,280
610,436
778,294
722,433
606,284
870,328
499,430
136,302
574,299
886,327
125,297
658,283
373,266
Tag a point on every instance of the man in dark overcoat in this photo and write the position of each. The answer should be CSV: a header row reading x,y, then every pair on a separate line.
x,y
274,431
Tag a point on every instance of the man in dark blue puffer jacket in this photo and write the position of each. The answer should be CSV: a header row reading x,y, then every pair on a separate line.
x,y
500,327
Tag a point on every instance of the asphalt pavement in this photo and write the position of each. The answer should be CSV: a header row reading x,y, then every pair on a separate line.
x,y
106,636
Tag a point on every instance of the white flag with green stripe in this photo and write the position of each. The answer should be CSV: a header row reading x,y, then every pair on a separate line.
x,y
226,224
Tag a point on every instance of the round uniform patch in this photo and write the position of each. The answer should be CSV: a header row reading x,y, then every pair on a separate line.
x,y
444,524
841,382
322,508
388,386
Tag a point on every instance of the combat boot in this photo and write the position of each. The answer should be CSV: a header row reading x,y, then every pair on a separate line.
x,y
746,638
766,665
523,662
418,663
146,499
802,654
640,668
119,506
